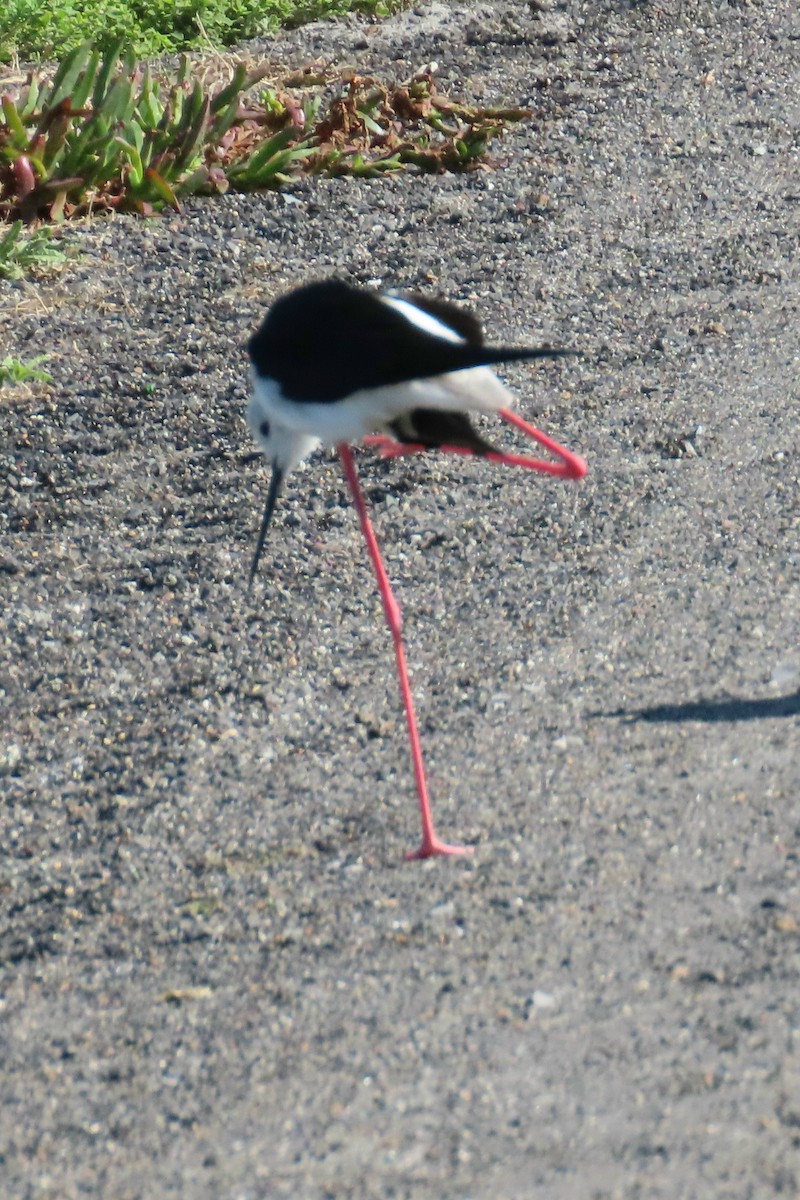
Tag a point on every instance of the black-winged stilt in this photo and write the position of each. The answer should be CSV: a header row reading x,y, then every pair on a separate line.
x,y
332,364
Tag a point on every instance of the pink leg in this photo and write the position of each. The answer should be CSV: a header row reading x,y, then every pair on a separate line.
x,y
430,844
571,466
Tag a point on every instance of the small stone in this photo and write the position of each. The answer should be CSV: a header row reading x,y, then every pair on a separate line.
x,y
10,758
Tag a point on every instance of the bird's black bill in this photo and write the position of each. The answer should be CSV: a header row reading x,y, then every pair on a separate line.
x,y
272,496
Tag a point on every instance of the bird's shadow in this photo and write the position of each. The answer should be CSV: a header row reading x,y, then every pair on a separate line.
x,y
713,710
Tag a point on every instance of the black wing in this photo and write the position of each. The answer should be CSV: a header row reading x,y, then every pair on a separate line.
x,y
327,340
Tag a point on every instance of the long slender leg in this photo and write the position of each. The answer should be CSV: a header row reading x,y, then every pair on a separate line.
x,y
570,466
430,843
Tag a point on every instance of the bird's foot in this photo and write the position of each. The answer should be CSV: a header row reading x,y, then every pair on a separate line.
x,y
432,847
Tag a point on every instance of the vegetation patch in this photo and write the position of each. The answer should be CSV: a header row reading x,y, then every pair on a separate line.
x,y
22,253
105,133
31,30
14,370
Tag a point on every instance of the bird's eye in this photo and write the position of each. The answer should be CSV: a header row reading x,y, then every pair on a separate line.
x,y
263,429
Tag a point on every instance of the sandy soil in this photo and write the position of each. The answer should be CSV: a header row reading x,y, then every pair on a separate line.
x,y
219,978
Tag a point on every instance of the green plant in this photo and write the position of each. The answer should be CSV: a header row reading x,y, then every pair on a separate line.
x,y
105,133
371,128
14,370
33,30
21,253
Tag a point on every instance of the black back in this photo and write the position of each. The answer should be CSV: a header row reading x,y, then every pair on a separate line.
x,y
327,340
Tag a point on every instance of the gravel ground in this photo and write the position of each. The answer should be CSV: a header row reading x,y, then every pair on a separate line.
x,y
219,978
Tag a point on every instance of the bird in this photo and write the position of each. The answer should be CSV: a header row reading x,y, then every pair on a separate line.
x,y
334,363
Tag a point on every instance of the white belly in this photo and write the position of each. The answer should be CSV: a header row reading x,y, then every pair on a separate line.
x,y
476,389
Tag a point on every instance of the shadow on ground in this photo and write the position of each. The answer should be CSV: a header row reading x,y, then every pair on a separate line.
x,y
731,709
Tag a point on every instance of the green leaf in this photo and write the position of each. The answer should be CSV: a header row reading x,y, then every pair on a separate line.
x,y
242,81
370,124
14,122
9,239
31,98
67,73
107,66
150,107
192,140
84,85
162,189
13,370
80,146
225,120
194,105
118,104
232,91
265,151
56,136
199,181
134,160
136,133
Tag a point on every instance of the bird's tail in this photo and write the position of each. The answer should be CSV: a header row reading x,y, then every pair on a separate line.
x,y
461,356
